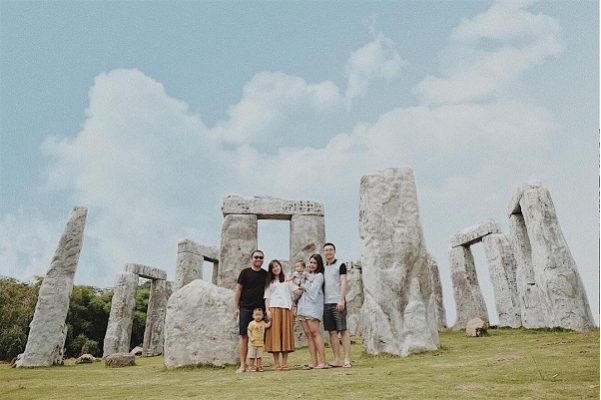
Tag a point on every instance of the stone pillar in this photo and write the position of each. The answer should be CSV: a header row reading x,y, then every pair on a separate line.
x,y
155,318
238,240
47,330
564,302
469,302
189,263
398,312
354,297
123,305
437,293
528,292
502,268
307,236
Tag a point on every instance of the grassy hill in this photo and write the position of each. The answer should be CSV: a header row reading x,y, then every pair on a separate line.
x,y
506,364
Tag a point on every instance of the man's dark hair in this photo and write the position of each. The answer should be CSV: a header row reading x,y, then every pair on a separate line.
x,y
329,244
256,251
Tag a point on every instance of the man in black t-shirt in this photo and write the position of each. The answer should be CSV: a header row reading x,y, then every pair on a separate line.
x,y
248,296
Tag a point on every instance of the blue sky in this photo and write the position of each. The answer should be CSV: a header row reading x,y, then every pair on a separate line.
x,y
149,113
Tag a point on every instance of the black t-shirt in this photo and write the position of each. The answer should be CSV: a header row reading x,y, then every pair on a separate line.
x,y
253,288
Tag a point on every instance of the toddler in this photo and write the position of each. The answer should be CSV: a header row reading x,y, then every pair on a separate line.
x,y
256,338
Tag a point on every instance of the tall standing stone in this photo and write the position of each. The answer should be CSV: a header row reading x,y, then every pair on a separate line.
x,y
189,263
437,293
469,302
118,331
354,297
155,318
564,300
47,330
399,312
529,293
238,240
307,236
502,268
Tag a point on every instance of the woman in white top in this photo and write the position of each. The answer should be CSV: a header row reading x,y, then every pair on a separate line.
x,y
310,312
279,338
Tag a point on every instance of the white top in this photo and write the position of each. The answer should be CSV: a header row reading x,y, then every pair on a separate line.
x,y
279,294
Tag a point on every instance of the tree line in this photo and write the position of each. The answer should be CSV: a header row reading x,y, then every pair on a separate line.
x,y
89,309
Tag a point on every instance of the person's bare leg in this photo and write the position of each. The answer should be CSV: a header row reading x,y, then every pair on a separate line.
x,y
335,347
243,350
276,360
285,359
310,342
319,344
346,346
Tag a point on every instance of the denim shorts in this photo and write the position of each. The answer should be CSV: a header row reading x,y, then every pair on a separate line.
x,y
333,320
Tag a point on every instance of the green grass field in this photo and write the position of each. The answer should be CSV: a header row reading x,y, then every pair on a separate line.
x,y
506,364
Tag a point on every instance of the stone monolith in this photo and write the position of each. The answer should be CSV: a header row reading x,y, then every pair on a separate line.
x,y
437,293
399,313
563,297
238,240
47,330
469,302
200,328
354,297
155,318
123,305
502,269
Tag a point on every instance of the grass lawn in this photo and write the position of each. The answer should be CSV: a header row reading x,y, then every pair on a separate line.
x,y
506,364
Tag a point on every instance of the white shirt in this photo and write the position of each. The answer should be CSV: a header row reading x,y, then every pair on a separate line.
x,y
279,294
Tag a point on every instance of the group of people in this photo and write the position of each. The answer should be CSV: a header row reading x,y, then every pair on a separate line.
x,y
267,302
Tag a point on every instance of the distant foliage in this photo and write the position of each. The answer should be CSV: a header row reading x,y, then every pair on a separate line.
x,y
17,304
87,320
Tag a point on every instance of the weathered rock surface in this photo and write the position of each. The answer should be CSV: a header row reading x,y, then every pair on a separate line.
x,y
502,268
200,327
137,351
145,271
469,302
307,236
85,359
270,207
476,327
354,297
474,234
238,240
562,294
398,312
118,331
47,332
437,293
155,318
119,360
529,294
190,261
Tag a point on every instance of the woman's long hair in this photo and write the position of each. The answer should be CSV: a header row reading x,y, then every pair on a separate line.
x,y
320,267
271,276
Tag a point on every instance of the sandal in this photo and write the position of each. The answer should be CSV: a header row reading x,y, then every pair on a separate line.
x,y
347,364
284,367
259,369
308,367
322,366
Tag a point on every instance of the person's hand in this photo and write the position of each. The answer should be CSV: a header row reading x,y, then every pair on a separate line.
x,y
237,312
268,315
299,291
340,306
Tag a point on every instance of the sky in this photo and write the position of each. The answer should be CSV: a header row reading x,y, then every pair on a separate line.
x,y
149,113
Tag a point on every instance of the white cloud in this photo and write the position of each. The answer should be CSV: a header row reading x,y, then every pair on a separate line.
x,y
379,59
490,51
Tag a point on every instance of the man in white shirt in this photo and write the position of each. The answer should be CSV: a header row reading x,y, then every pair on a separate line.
x,y
334,314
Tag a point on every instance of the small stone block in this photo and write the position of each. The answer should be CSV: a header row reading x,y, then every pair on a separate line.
x,y
474,234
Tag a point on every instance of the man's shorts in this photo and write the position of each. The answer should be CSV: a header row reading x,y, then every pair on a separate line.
x,y
244,319
333,320
255,351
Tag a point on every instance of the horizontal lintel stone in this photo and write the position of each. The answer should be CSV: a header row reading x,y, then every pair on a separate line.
x,y
145,271
474,234
265,207
209,253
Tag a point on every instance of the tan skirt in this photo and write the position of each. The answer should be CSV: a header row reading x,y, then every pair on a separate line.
x,y
279,337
